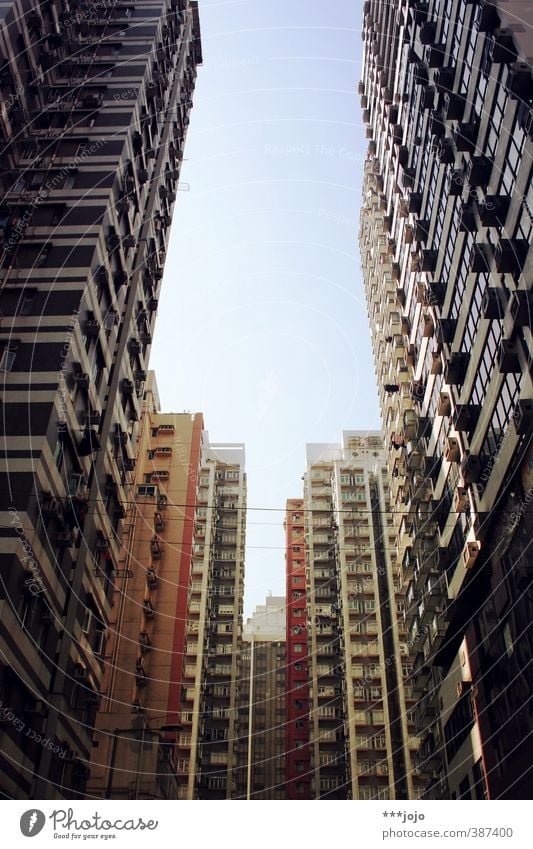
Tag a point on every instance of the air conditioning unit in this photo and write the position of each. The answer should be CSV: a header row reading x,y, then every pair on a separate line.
x,y
102,544
445,330
80,672
510,255
465,136
523,416
120,278
463,687
521,307
52,508
493,211
456,367
65,539
92,328
470,554
144,641
435,293
436,363
508,360
457,182
471,469
503,48
429,327
465,417
453,450
82,380
461,502
444,406
479,171
492,303
519,82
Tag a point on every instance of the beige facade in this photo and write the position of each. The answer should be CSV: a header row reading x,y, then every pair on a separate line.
x,y
267,622
207,744
445,236
261,772
361,740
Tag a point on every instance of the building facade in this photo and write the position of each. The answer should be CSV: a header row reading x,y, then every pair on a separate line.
x,y
445,238
298,753
95,107
362,741
144,658
208,740
262,687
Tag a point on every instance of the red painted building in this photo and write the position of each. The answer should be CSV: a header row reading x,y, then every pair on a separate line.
x,y
298,753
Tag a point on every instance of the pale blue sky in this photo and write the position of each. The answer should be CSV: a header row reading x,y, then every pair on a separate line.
x,y
262,322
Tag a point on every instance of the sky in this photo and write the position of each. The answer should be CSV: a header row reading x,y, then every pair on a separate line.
x,y
262,322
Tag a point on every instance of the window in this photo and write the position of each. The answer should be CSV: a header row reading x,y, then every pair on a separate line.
x,y
487,363
99,641
478,781
8,352
26,302
464,788
501,416
508,639
298,647
148,491
59,452
87,619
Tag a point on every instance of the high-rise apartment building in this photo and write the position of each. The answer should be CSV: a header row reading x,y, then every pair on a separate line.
x,y
298,753
362,743
268,619
95,107
445,235
208,741
144,659
262,686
